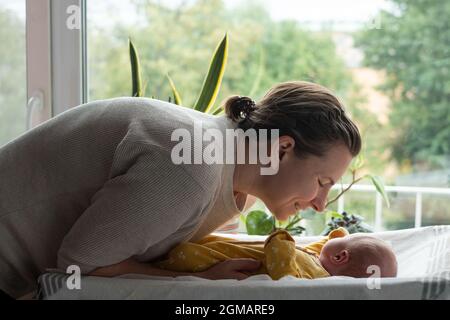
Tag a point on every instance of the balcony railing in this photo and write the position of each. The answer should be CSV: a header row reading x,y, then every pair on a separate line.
x,y
418,191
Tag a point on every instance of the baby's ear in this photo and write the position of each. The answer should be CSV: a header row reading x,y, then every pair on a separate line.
x,y
341,257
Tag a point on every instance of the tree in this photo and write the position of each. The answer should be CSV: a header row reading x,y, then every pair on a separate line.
x,y
413,46
261,51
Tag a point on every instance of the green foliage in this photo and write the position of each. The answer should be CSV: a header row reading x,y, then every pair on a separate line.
x,y
376,181
257,57
12,77
135,71
213,79
176,94
211,84
294,53
413,47
353,223
259,222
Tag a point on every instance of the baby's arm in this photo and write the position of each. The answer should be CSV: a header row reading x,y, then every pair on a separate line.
x,y
280,254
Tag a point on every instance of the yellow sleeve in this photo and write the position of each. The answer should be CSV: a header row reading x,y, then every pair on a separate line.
x,y
280,254
316,247
213,238
203,254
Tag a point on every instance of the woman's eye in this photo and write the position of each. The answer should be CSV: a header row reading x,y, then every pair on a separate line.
x,y
320,183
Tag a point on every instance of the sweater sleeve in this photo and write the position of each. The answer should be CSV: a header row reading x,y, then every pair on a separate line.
x,y
132,212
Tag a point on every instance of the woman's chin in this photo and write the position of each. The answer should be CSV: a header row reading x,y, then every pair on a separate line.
x,y
283,215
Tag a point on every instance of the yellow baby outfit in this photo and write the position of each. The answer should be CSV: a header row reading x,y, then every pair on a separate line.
x,y
279,255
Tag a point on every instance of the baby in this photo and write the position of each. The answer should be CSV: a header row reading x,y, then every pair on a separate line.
x,y
338,254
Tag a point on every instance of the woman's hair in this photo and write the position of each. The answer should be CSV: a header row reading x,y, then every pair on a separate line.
x,y
307,112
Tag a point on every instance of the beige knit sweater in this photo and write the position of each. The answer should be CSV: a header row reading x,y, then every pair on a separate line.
x,y
96,185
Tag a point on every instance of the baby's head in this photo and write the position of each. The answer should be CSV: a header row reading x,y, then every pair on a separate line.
x,y
354,254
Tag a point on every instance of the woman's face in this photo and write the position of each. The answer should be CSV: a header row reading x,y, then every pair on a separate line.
x,y
302,182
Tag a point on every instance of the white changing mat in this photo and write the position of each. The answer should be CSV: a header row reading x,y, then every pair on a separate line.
x,y
423,256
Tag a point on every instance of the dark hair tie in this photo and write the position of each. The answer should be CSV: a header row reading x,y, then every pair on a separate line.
x,y
246,105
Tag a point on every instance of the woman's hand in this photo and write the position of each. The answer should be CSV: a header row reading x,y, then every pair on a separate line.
x,y
230,269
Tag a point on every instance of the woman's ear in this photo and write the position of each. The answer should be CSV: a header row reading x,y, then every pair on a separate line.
x,y
341,257
286,145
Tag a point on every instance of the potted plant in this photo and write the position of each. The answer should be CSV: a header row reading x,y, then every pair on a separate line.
x,y
211,84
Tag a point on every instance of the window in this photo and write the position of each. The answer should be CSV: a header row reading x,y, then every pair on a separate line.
x,y
389,61
13,95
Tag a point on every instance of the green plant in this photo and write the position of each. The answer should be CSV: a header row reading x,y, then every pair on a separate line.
x,y
211,84
259,221
353,223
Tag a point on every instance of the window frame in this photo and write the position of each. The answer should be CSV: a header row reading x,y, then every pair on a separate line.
x,y
56,59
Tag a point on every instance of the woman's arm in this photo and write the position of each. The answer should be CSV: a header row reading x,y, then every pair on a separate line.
x,y
230,269
132,213
133,266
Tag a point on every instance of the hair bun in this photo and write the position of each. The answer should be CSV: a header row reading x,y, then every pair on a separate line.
x,y
238,108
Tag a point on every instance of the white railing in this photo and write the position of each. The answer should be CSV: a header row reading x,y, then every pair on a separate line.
x,y
418,191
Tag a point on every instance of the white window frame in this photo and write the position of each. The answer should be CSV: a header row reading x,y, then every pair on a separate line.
x,y
56,59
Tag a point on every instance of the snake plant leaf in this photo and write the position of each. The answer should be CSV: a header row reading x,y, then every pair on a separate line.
x,y
135,71
380,188
176,94
259,223
218,111
213,79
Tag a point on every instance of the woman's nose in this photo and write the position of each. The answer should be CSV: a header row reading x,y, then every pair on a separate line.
x,y
317,206
320,201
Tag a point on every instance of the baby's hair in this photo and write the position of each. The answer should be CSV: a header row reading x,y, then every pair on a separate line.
x,y
366,251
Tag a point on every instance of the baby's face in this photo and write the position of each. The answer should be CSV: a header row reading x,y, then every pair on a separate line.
x,y
354,254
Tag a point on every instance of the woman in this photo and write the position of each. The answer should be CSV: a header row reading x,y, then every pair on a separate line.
x,y
97,186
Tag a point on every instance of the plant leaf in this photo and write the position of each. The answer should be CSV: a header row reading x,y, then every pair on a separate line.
x,y
259,223
357,163
135,71
176,95
213,79
380,188
218,111
335,214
